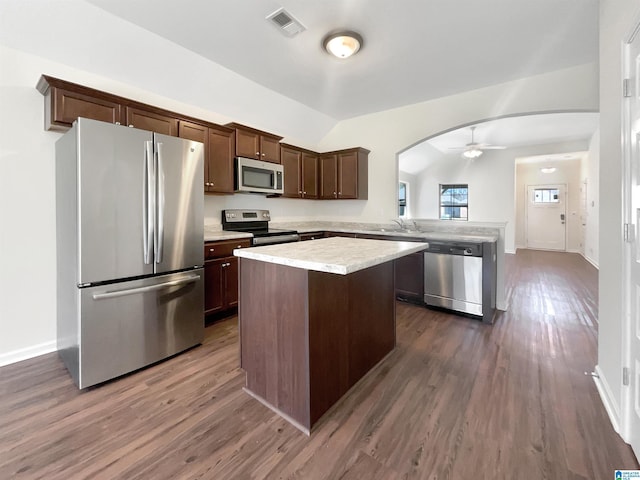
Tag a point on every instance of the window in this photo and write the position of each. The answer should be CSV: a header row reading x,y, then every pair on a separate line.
x,y
454,202
546,195
402,199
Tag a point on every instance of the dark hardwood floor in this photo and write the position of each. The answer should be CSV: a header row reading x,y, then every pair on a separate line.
x,y
456,400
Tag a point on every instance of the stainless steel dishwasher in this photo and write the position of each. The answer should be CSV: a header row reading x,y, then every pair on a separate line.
x,y
459,276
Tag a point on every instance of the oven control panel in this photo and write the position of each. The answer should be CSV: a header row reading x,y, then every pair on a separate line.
x,y
240,215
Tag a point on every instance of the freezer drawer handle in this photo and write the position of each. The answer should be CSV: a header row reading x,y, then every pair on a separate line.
x,y
150,288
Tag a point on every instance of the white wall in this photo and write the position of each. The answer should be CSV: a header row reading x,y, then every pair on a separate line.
x,y
567,173
78,43
591,171
389,132
490,180
616,19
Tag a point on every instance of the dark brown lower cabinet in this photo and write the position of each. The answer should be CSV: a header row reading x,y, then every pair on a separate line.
x,y
221,284
409,275
221,275
311,236
340,234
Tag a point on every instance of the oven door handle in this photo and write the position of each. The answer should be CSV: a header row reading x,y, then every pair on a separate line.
x,y
294,237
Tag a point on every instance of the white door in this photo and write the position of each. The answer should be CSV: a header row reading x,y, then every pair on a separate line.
x,y
546,217
630,418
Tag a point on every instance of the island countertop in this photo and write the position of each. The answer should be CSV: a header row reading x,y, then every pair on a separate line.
x,y
332,255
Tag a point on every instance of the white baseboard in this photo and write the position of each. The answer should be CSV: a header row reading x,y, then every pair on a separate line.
x,y
607,399
591,261
26,353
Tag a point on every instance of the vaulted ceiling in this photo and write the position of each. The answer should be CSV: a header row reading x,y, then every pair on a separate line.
x,y
414,50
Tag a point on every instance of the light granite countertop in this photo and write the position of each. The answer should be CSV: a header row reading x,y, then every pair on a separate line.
x,y
436,236
213,234
332,255
219,235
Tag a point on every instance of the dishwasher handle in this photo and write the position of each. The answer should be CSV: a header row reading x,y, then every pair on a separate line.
x,y
466,250
460,251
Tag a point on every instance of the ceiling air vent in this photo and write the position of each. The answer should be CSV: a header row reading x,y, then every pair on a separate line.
x,y
285,22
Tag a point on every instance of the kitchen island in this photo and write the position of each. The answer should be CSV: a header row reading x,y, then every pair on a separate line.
x,y
315,317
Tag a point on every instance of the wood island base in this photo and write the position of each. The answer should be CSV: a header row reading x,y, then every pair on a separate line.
x,y
306,337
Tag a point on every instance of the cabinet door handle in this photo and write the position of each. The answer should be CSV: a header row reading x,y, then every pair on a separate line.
x,y
263,154
130,126
212,249
258,153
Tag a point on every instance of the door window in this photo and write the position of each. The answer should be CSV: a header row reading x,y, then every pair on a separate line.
x,y
546,195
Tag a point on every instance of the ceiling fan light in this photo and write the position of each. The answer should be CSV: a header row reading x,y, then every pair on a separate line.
x,y
472,153
342,44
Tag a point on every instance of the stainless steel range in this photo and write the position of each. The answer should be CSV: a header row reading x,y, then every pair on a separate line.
x,y
256,222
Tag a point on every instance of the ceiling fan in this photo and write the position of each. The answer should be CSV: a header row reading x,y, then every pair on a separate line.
x,y
473,149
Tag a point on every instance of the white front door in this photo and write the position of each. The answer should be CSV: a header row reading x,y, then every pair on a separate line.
x,y
546,217
630,418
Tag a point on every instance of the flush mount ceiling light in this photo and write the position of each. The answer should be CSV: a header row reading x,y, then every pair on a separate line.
x,y
548,169
342,44
472,152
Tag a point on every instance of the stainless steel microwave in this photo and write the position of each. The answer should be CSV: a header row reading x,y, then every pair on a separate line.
x,y
254,176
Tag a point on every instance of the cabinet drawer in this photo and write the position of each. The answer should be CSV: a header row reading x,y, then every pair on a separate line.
x,y
224,248
311,236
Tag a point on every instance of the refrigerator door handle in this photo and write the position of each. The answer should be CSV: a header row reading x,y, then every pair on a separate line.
x,y
147,203
159,240
149,288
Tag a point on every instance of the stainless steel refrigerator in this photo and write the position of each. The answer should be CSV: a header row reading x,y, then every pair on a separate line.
x,y
129,233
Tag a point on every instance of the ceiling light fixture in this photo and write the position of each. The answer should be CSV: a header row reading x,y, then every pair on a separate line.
x,y
548,169
472,152
342,44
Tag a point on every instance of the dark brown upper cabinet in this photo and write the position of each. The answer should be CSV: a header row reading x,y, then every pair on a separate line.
x,y
218,148
220,159
344,174
64,102
149,120
328,176
332,175
252,143
300,172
